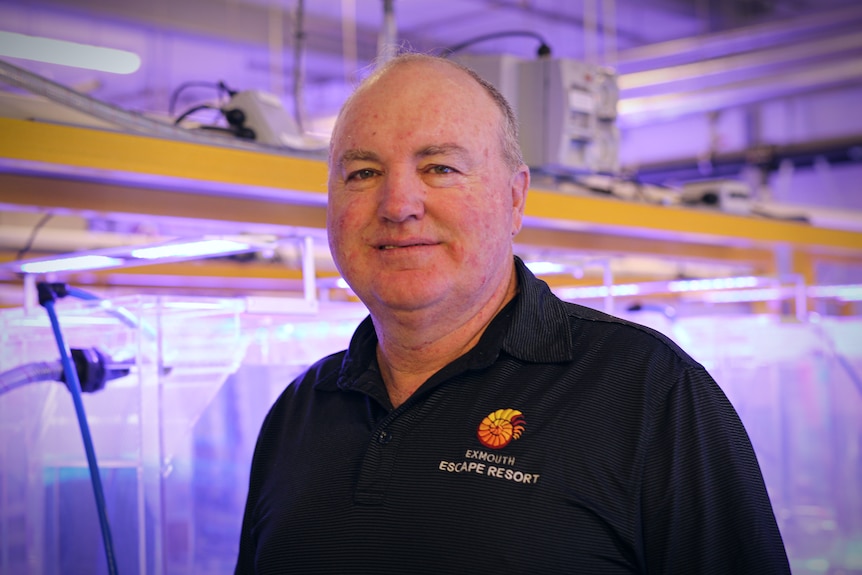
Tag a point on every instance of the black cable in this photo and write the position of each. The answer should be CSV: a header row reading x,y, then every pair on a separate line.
x,y
44,220
220,86
194,109
543,51
235,119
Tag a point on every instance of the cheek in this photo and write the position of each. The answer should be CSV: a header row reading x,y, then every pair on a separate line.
x,y
340,228
480,225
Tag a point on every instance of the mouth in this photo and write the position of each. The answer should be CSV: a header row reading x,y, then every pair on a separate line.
x,y
386,247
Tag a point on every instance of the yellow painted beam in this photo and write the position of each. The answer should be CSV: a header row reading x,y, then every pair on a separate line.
x,y
637,219
115,154
118,152
99,198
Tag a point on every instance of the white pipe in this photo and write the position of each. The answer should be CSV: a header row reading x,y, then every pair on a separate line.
x,y
276,47
741,39
387,41
590,31
349,42
299,68
609,27
733,64
640,110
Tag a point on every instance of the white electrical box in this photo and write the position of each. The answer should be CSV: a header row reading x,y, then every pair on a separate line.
x,y
272,125
501,70
567,111
265,115
602,151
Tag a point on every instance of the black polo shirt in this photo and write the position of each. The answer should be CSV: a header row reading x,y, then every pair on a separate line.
x,y
566,441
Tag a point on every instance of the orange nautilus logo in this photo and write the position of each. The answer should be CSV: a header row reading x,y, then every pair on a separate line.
x,y
501,427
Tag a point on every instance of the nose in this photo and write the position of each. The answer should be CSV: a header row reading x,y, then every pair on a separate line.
x,y
402,196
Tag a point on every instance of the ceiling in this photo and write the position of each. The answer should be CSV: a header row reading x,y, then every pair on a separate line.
x,y
250,44
680,63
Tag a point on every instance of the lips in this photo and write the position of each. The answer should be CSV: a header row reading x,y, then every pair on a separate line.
x,y
383,246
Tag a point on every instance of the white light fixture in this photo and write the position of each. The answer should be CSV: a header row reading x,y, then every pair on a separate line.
x,y
589,292
707,284
172,251
53,51
541,267
73,263
195,249
841,292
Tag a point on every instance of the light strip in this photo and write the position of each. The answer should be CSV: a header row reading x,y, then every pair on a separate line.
x,y
65,53
588,292
190,249
540,268
841,292
712,284
90,262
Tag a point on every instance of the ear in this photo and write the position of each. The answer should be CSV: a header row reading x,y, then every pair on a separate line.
x,y
519,184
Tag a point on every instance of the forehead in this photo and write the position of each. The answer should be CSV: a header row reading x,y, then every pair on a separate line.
x,y
431,100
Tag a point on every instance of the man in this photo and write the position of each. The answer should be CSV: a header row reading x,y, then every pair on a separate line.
x,y
477,423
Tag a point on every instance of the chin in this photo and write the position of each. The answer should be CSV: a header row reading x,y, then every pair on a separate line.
x,y
408,296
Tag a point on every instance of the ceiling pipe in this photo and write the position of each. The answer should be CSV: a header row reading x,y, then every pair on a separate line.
x,y
349,42
558,17
646,109
733,64
299,67
387,45
609,31
737,40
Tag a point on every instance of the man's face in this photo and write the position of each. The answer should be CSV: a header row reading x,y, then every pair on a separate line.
x,y
422,208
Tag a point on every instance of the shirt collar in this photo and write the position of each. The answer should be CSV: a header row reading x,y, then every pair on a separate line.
x,y
534,327
540,330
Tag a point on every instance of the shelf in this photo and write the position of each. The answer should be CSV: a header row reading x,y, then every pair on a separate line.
x,y
90,171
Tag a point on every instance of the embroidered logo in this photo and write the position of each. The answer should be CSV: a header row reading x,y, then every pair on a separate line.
x,y
501,427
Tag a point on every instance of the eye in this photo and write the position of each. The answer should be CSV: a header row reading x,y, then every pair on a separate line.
x,y
362,174
440,169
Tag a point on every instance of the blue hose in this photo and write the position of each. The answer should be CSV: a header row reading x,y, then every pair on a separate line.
x,y
75,388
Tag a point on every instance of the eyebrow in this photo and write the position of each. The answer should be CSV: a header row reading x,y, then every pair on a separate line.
x,y
357,155
361,155
443,150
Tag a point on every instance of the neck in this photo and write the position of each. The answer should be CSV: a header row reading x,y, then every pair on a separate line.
x,y
414,346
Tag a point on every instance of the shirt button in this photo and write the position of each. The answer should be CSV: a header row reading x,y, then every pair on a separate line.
x,y
384,437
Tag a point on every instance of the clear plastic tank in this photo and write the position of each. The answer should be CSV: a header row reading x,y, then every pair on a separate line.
x,y
175,437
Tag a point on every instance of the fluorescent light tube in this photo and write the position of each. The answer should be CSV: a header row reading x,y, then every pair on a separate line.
x,y
68,53
539,268
191,249
90,262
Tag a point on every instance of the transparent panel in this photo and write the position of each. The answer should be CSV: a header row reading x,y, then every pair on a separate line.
x,y
798,391
175,436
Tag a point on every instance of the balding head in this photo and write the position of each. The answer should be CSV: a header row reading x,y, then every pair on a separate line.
x,y
508,125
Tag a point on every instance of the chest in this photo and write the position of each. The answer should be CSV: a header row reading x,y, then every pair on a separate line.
x,y
467,474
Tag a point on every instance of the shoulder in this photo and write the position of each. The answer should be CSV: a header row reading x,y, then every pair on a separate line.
x,y
321,375
599,328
